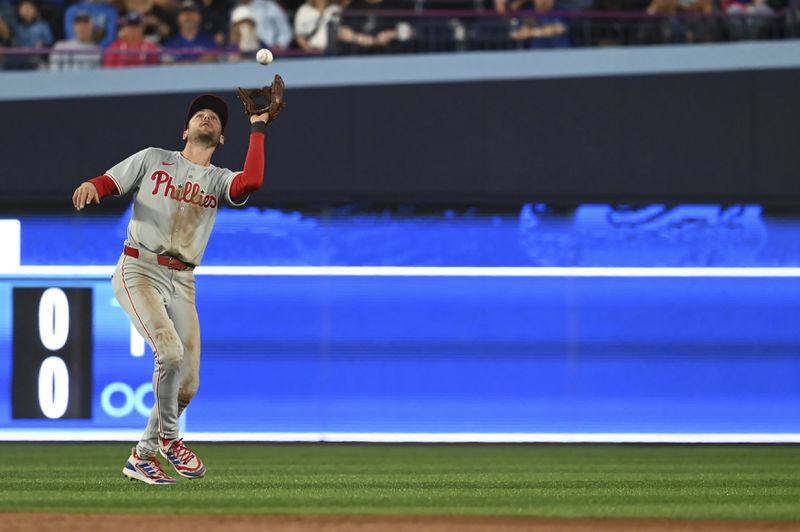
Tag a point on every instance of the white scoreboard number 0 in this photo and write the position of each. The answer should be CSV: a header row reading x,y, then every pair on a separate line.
x,y
52,372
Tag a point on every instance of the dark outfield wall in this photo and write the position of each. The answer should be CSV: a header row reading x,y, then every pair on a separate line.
x,y
710,137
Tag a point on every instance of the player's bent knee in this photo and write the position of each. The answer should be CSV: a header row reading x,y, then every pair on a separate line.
x,y
168,347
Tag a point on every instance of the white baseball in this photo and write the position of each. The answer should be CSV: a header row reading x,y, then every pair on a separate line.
x,y
264,56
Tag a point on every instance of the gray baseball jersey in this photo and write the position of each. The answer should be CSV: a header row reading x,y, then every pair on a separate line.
x,y
175,201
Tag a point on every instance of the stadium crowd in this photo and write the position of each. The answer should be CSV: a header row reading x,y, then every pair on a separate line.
x,y
66,34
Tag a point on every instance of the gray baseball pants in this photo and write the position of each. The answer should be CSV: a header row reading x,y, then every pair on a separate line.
x,y
160,303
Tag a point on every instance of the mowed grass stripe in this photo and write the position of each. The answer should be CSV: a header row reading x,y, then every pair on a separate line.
x,y
675,481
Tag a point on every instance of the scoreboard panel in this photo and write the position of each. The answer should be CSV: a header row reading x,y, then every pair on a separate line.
x,y
52,353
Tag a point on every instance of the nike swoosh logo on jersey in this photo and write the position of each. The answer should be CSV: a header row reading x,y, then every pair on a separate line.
x,y
166,163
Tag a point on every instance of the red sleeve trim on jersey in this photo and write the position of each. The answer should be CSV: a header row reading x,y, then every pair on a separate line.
x,y
105,186
252,177
120,190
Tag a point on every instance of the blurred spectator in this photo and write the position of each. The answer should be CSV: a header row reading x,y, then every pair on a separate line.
x,y
156,19
6,23
542,29
365,29
676,21
80,52
446,32
702,7
504,6
215,14
312,24
747,18
697,19
104,20
190,36
30,31
243,32
6,16
272,24
131,48
663,24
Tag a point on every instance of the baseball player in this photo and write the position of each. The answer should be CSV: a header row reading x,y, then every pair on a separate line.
x,y
175,199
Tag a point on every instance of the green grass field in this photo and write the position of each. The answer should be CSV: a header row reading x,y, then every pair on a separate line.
x,y
754,482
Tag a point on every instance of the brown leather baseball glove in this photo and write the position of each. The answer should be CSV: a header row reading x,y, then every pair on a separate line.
x,y
272,96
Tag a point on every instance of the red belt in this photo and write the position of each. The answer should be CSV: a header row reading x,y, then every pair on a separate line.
x,y
163,260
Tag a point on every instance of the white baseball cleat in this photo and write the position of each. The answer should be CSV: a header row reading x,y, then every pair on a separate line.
x,y
146,468
186,463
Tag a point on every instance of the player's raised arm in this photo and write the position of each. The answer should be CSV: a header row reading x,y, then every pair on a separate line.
x,y
252,177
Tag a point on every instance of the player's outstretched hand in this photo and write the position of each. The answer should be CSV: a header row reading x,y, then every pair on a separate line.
x,y
84,195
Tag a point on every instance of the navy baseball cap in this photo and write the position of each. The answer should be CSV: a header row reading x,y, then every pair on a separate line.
x,y
208,101
131,19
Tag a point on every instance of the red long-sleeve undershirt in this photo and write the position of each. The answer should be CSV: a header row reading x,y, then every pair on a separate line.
x,y
252,177
244,184
105,186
